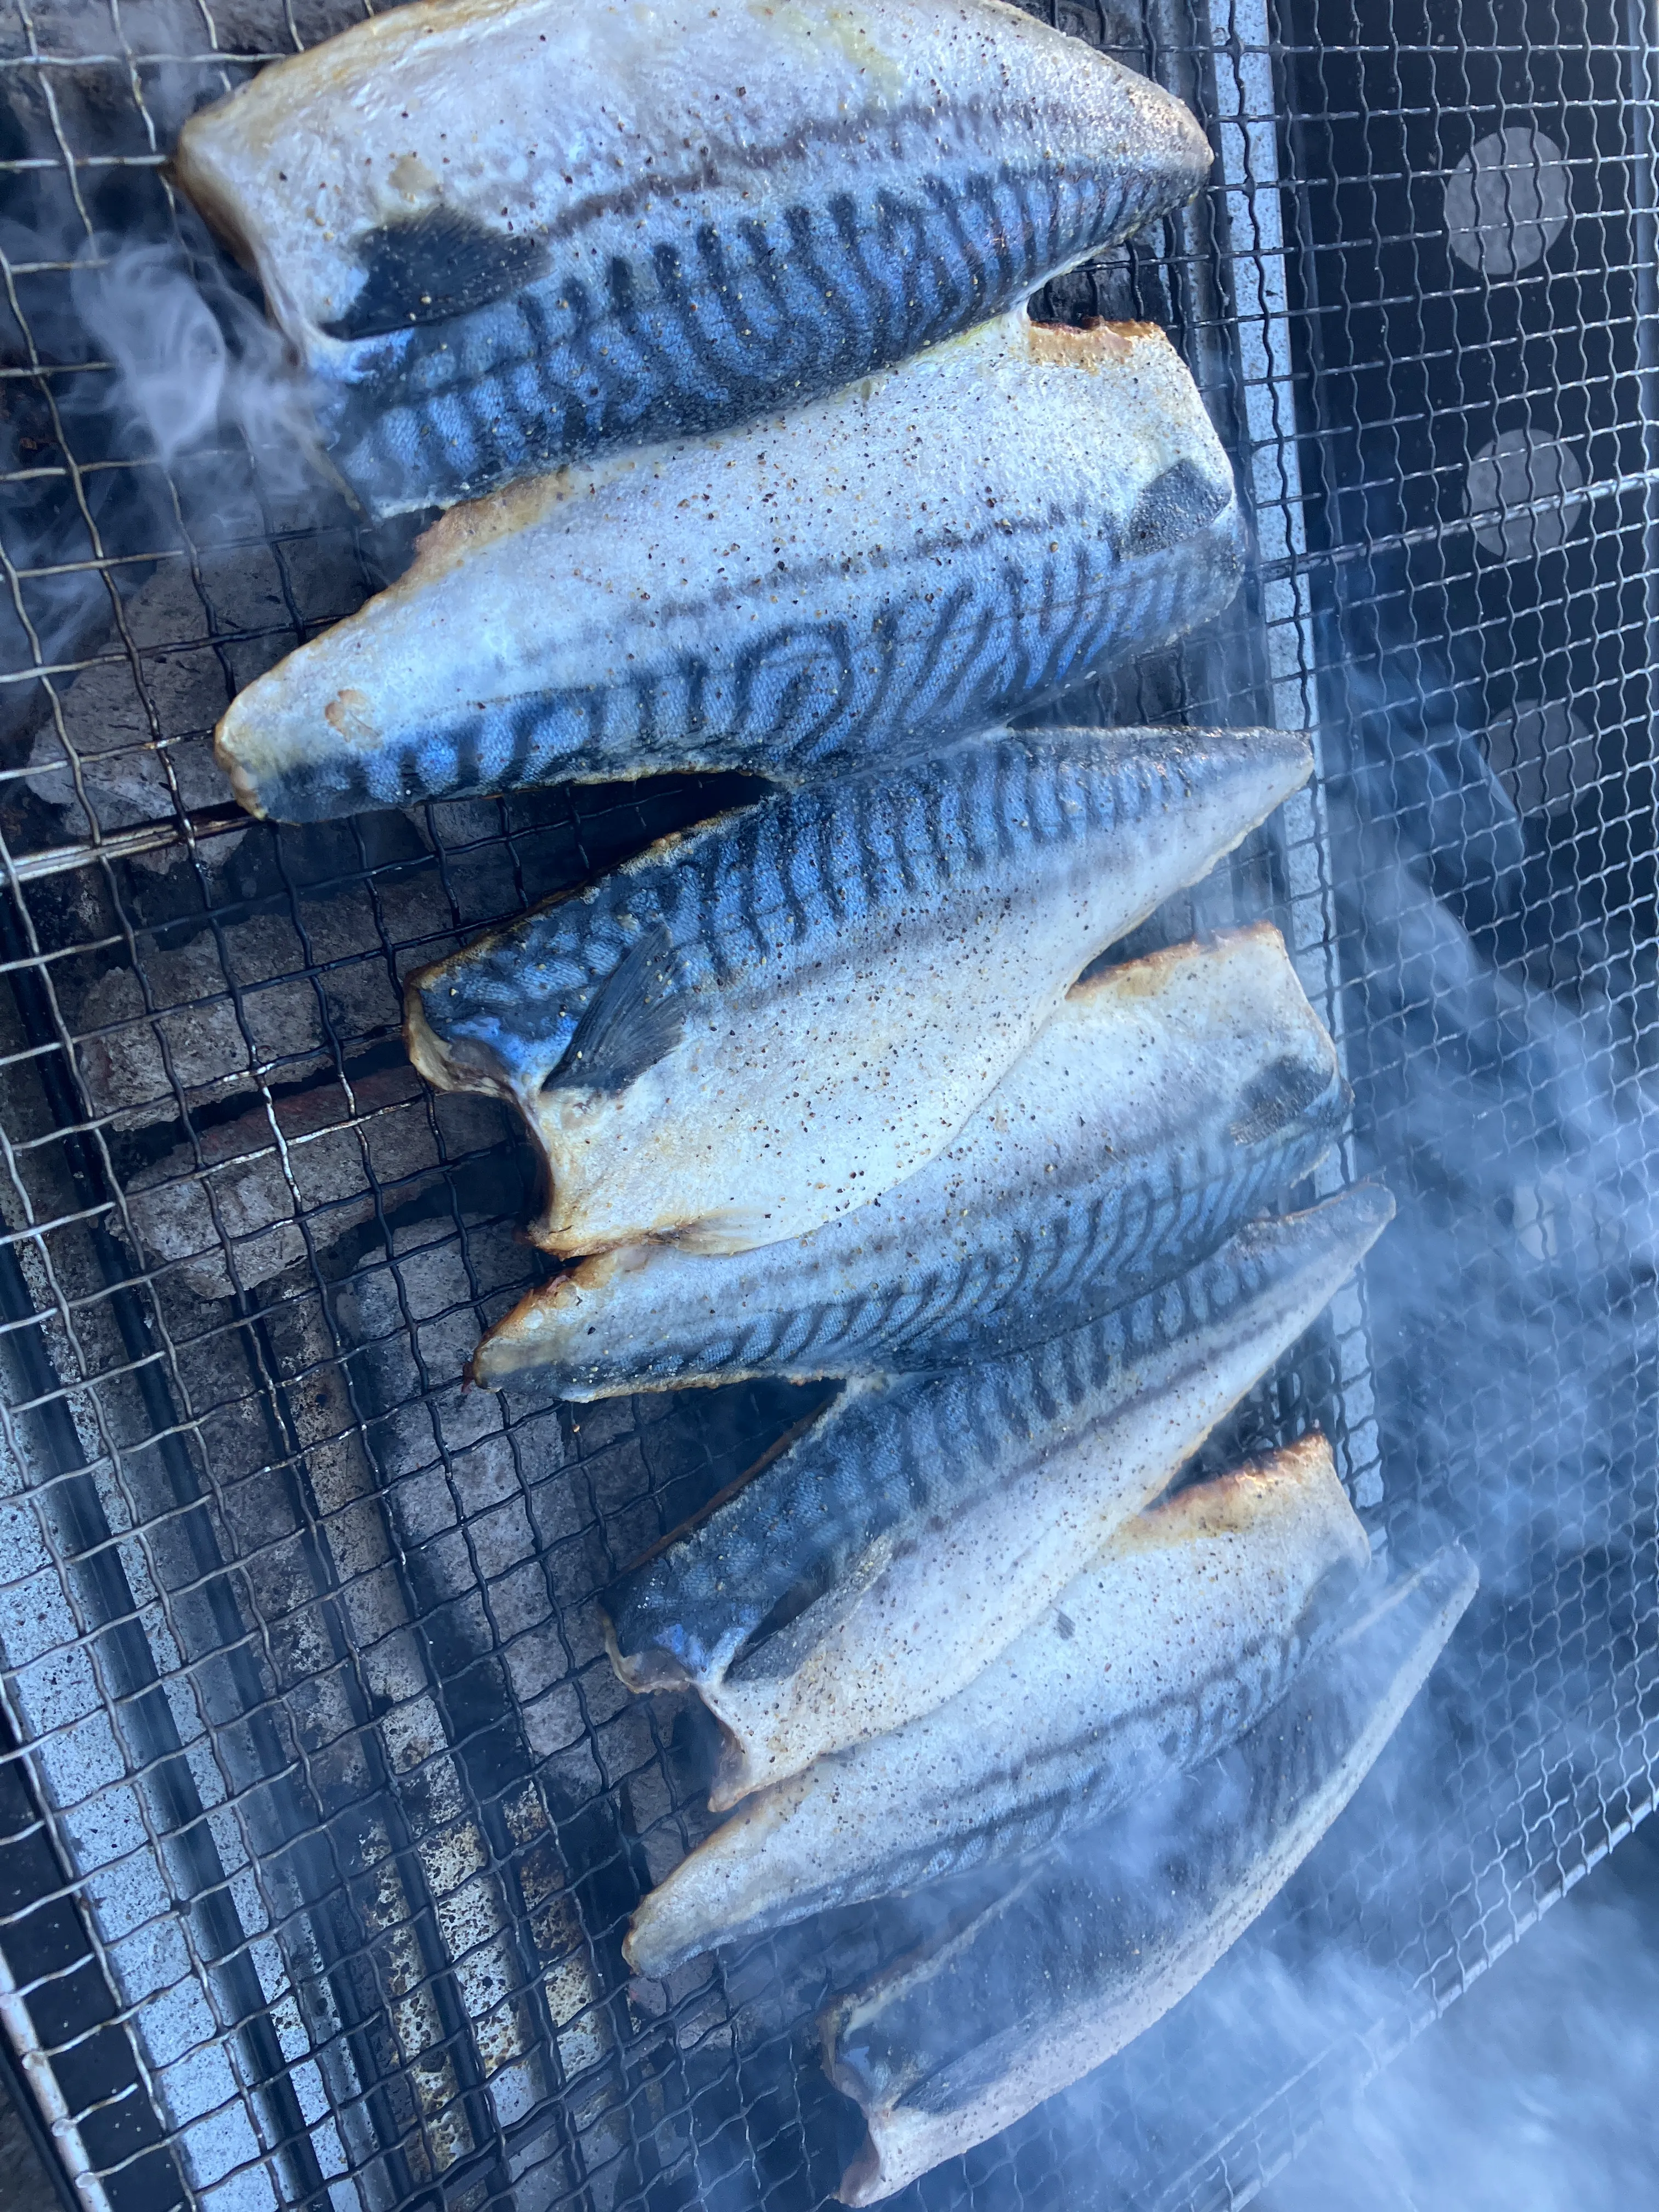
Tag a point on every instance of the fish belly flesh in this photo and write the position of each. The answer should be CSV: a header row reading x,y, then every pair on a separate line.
x,y
923,554
755,1028
1191,1625
1164,1104
928,1522
501,237
1115,1925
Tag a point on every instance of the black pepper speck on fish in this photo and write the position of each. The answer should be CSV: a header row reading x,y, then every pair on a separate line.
x,y
755,1027
1166,1102
505,234
924,554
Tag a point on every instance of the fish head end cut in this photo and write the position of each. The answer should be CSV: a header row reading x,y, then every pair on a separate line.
x,y
899,2147
238,761
473,1023
448,1057
299,744
552,1331
653,1667
655,1642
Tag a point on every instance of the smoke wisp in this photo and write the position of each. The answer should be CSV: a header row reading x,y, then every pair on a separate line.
x,y
193,363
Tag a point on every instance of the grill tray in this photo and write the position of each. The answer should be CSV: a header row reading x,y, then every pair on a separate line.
x,y
321,1811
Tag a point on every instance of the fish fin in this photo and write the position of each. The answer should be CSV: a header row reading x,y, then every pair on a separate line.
x,y
1275,1095
635,1019
1179,504
436,264
729,1228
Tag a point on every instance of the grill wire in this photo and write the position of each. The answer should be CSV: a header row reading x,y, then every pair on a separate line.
x,y
321,1812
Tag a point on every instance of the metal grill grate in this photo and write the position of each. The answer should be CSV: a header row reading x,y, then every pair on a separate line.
x,y
320,1810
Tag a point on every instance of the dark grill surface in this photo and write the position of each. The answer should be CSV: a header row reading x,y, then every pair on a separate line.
x,y
321,1812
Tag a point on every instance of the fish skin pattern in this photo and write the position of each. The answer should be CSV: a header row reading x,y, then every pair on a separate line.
x,y
923,554
1166,1102
995,1482
1189,1627
505,237
756,1026
1098,1937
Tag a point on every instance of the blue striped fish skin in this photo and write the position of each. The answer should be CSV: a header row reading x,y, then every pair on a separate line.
x,y
1191,1625
755,1027
890,1461
916,556
1093,1941
1165,1103
507,238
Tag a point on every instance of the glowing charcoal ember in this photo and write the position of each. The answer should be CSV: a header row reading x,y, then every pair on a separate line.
x,y
757,1026
924,554
1190,1626
918,1528
1165,1103
504,237
1103,1933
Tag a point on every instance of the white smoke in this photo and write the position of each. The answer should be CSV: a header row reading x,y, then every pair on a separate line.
x,y
1533,2094
189,372
143,311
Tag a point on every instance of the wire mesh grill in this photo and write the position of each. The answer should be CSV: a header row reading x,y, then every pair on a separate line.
x,y
321,1811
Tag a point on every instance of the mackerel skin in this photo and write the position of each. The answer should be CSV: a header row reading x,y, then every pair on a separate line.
x,y
1192,1625
921,555
1113,1927
918,1528
1164,1104
755,1028
504,237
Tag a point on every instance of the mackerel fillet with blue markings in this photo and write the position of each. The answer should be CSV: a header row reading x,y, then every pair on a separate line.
x,y
1189,1627
1094,1940
755,1028
873,1569
1165,1103
505,234
925,553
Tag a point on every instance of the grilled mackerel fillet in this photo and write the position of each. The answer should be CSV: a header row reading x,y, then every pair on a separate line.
x,y
1191,1625
921,554
1164,1104
918,1528
756,1027
504,234
1112,1928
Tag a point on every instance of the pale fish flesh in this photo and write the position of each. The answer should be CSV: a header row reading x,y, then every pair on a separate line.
x,y
1113,1926
757,1026
924,554
872,1569
501,237
1166,1102
1190,1626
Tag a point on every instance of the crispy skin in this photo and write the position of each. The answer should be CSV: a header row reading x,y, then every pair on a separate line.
x,y
752,1028
918,1528
1191,1624
507,234
1105,1933
1163,1105
919,555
